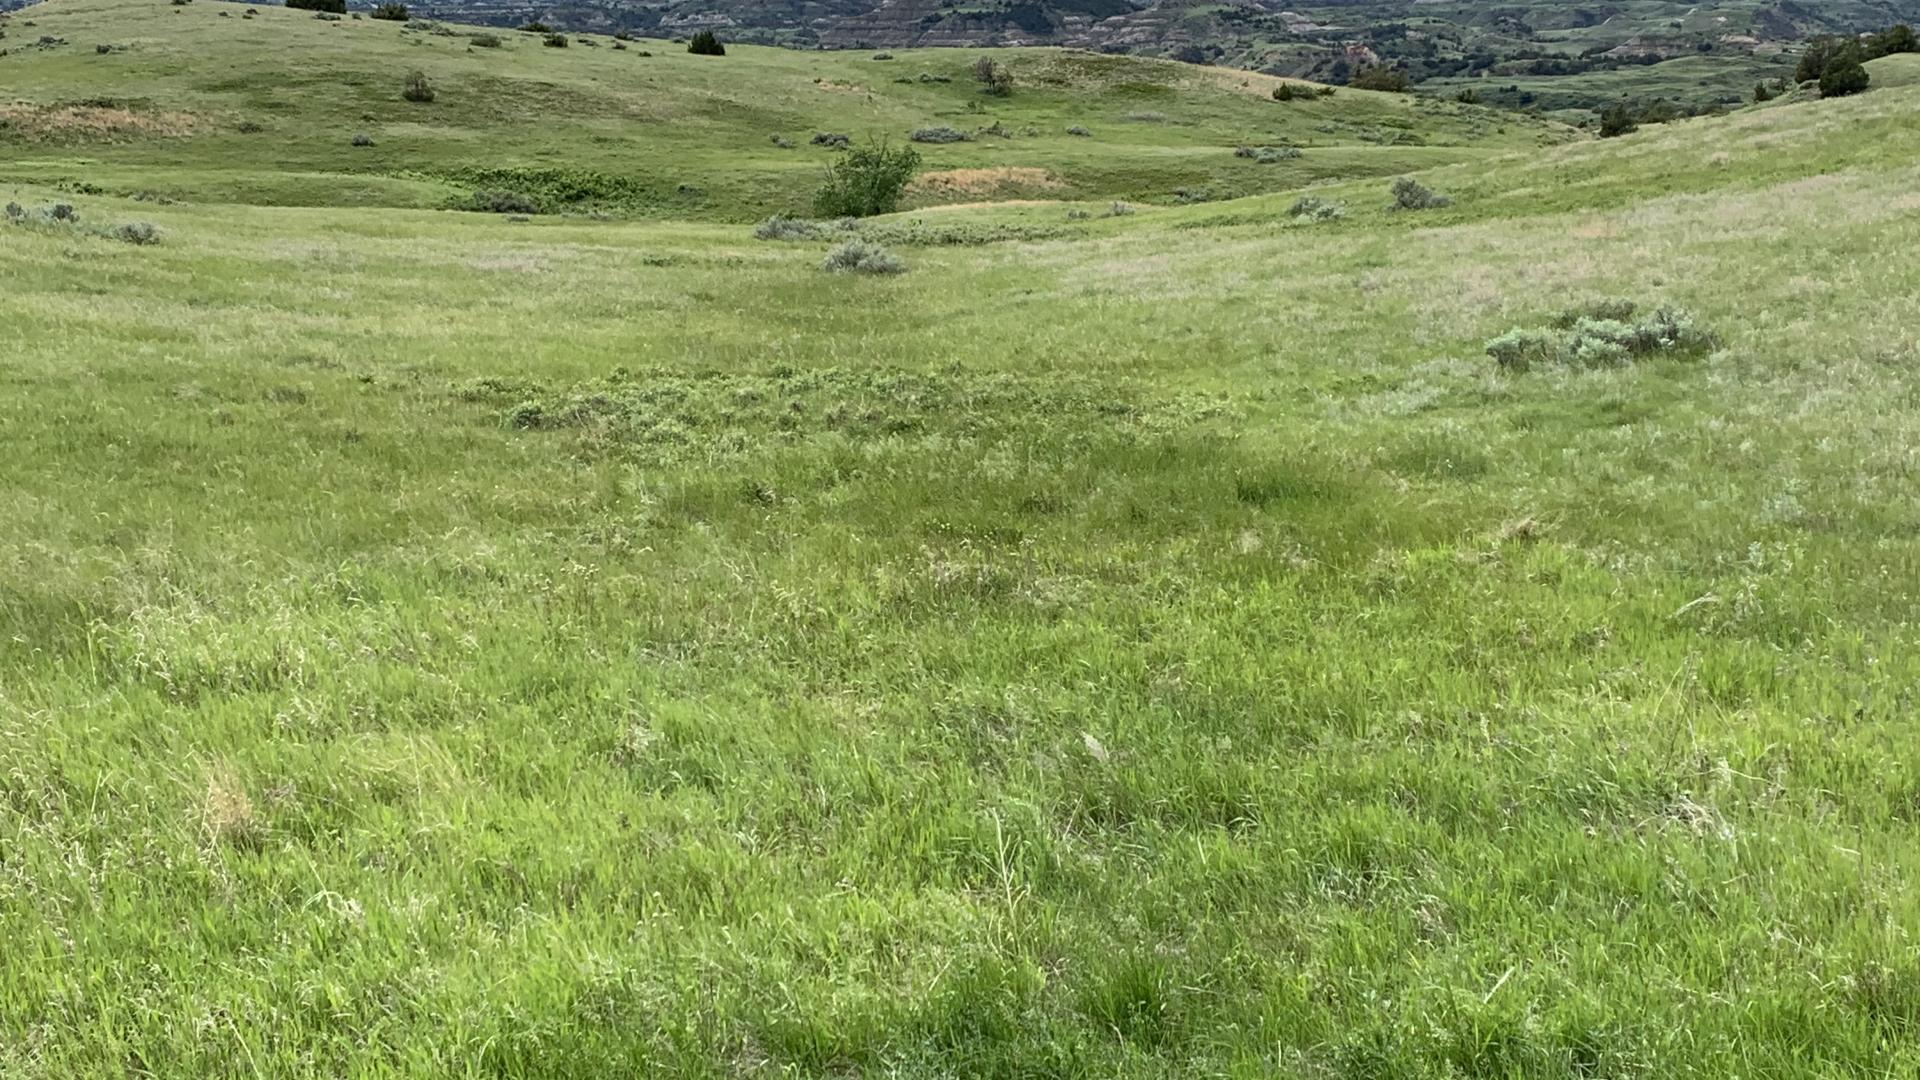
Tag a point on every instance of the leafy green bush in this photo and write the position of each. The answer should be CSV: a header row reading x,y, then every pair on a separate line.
x,y
937,135
705,43
484,41
830,140
554,41
1411,194
860,257
535,27
867,181
391,12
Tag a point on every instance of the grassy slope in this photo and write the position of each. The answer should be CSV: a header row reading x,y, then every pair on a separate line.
x,y
1163,650
693,132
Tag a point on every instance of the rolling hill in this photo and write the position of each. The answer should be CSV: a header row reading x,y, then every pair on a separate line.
x,y
203,101
1321,633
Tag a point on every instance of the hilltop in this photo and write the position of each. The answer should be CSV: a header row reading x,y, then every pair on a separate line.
x,y
204,102
1326,632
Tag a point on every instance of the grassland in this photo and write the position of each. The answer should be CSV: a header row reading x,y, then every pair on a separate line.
x,y
437,645
199,102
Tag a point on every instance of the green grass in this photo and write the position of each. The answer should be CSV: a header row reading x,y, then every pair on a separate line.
x,y
1888,72
1163,645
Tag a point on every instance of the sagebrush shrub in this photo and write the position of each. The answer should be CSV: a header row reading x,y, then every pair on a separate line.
x,y
554,41
418,89
993,77
1602,334
363,139
781,227
336,7
860,257
937,135
137,232
391,12
484,41
705,43
1076,129
1313,208
1411,194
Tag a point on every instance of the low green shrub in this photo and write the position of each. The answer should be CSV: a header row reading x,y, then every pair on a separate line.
x,y
503,202
1313,208
484,41
391,12
418,89
705,43
1411,194
861,257
1603,334
937,135
554,41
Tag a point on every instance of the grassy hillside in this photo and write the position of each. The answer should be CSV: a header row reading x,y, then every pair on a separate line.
x,y
1165,645
202,102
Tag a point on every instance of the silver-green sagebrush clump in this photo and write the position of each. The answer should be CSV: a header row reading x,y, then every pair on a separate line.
x,y
1603,334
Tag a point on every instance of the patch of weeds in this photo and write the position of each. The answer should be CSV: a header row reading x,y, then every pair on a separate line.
x,y
1079,131
1189,196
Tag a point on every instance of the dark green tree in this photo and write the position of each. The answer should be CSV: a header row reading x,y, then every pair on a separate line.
x,y
1843,77
705,43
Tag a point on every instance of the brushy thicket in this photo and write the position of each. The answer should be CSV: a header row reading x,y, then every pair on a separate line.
x,y
1411,194
869,180
705,43
391,12
484,41
1601,334
335,7
861,257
